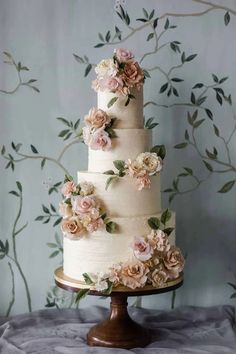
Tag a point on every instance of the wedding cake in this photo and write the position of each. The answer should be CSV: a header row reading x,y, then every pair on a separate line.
x,y
115,231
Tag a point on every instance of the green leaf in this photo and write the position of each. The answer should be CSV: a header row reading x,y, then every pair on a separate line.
x,y
87,279
176,79
193,99
154,223
233,296
168,230
109,181
209,113
6,247
119,164
198,123
99,45
109,172
163,87
63,133
35,88
186,135
190,57
198,85
160,150
216,130
215,78
208,166
57,222
79,59
141,19
112,101
33,148
155,22
167,23
100,36
175,92
63,120
54,254
14,193
87,70
108,36
43,163
111,227
180,146
145,13
232,285
151,14
219,98
227,18
81,295
39,218
183,57
45,209
19,186
109,288
201,100
189,170
76,124
223,80
150,36
165,216
3,150
210,155
227,186
52,245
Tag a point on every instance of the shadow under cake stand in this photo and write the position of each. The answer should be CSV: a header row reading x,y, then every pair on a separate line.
x,y
119,330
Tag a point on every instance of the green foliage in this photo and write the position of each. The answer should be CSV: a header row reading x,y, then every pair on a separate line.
x,y
87,279
160,150
110,180
149,124
112,101
72,129
227,186
154,223
111,227
165,216
81,295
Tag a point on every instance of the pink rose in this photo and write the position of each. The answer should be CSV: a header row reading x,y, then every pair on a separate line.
x,y
100,140
123,55
113,84
97,118
65,210
142,249
95,225
174,262
114,274
159,240
143,181
72,228
158,277
68,188
82,205
133,75
133,274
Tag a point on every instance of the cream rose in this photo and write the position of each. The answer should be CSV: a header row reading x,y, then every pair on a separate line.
x,y
106,67
81,205
68,188
65,210
158,277
72,228
174,262
142,249
150,162
134,168
159,240
97,118
86,188
133,274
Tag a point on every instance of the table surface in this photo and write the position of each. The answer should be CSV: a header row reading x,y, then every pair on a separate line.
x,y
186,330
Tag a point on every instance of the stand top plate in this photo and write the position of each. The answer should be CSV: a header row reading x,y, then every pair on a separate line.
x,y
73,285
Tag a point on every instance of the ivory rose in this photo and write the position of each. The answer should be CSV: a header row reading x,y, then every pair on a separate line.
x,y
134,168
65,210
174,261
68,188
159,240
133,75
100,140
123,55
97,118
158,277
133,274
86,188
150,162
81,205
106,67
72,228
142,249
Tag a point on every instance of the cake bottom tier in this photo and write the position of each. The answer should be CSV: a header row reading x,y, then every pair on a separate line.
x,y
98,251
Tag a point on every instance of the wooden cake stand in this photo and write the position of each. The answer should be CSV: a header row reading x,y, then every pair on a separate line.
x,y
119,330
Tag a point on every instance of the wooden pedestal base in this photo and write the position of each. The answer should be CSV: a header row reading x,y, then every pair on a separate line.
x,y
119,330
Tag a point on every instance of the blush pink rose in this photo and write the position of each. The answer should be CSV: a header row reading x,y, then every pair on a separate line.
x,y
95,225
113,84
158,277
133,274
100,140
159,240
115,273
97,118
143,181
83,205
68,188
174,262
133,75
142,249
123,55
65,210
72,228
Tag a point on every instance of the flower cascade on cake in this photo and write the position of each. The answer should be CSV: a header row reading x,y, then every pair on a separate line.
x,y
140,169
98,130
119,75
155,261
81,210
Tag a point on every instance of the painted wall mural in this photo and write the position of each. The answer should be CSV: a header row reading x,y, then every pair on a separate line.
x,y
187,52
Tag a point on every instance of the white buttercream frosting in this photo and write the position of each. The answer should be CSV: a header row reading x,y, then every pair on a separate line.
x,y
122,197
130,116
128,144
98,251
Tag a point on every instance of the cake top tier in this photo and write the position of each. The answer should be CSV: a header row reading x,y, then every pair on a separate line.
x,y
119,85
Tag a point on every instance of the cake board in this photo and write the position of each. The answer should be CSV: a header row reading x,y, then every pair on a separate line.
x,y
119,330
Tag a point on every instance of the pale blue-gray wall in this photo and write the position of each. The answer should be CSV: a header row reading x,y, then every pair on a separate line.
x,y
43,35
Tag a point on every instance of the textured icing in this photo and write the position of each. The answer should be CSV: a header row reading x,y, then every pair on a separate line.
x,y
128,144
98,251
130,116
122,197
